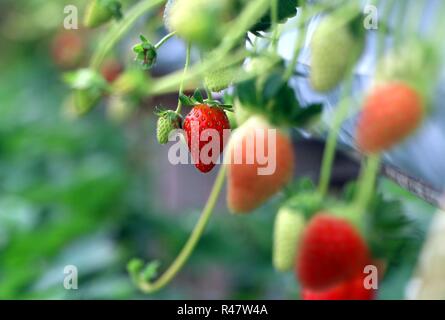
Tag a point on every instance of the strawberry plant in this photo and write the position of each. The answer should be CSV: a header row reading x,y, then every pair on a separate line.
x,y
233,46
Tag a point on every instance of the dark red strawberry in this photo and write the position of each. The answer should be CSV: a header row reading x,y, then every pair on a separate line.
x,y
196,123
352,289
331,251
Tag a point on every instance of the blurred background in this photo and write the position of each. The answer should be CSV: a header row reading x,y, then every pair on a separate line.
x,y
96,191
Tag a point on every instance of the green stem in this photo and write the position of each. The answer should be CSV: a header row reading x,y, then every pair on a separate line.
x,y
208,92
388,8
274,19
293,63
439,33
164,39
181,85
253,11
329,152
178,263
120,29
366,182
399,28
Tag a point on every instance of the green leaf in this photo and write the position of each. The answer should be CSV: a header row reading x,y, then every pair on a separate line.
x,y
115,7
390,232
186,101
198,96
269,95
286,10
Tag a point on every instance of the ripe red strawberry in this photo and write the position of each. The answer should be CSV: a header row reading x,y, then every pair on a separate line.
x,y
331,251
352,289
391,113
67,48
205,117
246,188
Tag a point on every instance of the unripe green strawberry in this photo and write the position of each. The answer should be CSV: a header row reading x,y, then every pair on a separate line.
x,y
99,12
194,21
289,225
219,79
335,48
84,100
167,122
198,21
88,87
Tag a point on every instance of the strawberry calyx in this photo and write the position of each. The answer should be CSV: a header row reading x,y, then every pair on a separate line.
x,y
114,7
198,99
146,53
160,112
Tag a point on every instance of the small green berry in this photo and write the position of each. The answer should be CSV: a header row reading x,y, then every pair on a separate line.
x,y
289,225
168,121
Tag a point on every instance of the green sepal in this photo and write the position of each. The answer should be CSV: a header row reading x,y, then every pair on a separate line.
x,y
197,99
286,9
146,53
198,96
134,266
269,95
139,272
391,233
150,271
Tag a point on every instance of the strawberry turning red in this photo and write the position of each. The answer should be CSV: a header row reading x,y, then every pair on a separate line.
x,y
201,118
111,69
391,113
331,251
67,48
247,189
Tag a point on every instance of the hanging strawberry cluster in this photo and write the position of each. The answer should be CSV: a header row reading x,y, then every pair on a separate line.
x,y
328,241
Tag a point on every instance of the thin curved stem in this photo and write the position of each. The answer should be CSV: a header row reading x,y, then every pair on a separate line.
x,y
274,19
178,263
164,39
181,85
367,182
120,29
293,63
329,152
